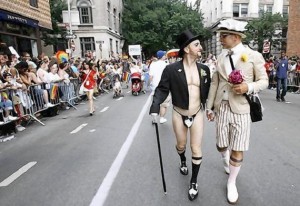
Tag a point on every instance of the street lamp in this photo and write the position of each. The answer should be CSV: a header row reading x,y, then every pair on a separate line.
x,y
122,41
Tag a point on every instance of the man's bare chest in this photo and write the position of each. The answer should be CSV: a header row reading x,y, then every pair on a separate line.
x,y
192,76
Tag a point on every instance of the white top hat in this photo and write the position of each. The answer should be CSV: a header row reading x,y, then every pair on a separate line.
x,y
233,26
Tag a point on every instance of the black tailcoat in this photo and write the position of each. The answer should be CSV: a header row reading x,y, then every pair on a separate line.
x,y
173,80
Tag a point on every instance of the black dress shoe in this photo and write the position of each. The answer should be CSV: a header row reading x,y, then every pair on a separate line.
x,y
283,99
193,191
183,168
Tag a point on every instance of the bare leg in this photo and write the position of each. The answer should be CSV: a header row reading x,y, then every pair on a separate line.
x,y
162,111
91,101
45,96
180,131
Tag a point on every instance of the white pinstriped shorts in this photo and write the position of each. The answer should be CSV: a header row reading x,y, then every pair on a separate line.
x,y
233,130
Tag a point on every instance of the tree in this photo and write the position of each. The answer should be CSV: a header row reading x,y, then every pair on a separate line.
x,y
268,27
155,24
50,36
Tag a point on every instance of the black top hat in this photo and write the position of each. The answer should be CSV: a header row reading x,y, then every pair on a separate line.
x,y
184,39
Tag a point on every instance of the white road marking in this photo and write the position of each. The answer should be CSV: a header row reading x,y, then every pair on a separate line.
x,y
104,109
129,91
78,128
92,130
104,188
119,98
17,174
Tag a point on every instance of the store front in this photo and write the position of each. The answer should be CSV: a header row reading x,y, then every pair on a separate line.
x,y
20,32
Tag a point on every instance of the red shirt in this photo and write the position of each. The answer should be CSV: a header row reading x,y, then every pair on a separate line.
x,y
298,68
267,66
90,82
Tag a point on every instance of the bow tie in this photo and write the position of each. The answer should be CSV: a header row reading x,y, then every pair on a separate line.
x,y
230,53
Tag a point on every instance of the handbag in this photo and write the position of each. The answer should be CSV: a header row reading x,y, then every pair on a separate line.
x,y
81,89
255,107
254,102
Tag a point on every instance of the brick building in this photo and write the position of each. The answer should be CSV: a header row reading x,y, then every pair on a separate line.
x,y
294,29
21,22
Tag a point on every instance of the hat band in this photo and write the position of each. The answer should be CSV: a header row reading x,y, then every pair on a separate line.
x,y
223,28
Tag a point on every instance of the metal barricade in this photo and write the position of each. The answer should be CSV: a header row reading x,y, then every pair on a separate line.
x,y
293,81
14,102
37,98
70,92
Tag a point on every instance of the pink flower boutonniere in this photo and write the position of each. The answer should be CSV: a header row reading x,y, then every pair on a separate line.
x,y
244,58
235,77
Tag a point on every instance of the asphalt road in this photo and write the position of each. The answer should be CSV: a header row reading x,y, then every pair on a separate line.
x,y
111,159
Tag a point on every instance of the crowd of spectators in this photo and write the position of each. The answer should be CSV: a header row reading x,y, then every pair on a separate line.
x,y
28,82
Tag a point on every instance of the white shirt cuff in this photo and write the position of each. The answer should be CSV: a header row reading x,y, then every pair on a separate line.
x,y
250,88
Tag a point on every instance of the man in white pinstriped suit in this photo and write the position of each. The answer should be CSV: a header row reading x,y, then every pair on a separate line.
x,y
227,103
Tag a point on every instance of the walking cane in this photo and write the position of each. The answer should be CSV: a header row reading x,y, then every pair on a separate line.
x,y
160,159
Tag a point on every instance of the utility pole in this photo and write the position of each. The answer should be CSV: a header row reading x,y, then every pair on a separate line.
x,y
70,29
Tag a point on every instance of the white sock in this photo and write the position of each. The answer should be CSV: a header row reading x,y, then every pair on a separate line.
x,y
225,153
234,171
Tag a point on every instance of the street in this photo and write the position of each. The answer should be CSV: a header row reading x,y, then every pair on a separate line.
x,y
111,159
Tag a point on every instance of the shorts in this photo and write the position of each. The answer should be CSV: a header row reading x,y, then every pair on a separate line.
x,y
6,104
233,130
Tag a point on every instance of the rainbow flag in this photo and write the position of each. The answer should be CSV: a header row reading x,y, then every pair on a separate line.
x,y
62,57
54,92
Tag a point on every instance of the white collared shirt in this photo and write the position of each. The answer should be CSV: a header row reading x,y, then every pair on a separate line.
x,y
238,50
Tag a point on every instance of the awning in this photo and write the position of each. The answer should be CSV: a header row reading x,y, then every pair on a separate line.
x,y
11,17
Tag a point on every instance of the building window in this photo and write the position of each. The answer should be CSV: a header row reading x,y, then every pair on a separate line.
x,y
87,44
111,46
33,3
236,10
115,20
261,10
285,11
221,5
108,14
117,47
85,14
120,27
265,8
240,10
269,8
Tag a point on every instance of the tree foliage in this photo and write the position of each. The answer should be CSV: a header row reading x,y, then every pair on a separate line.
x,y
268,27
155,24
56,8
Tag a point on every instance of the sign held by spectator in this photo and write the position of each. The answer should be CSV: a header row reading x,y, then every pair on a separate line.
x,y
134,50
13,51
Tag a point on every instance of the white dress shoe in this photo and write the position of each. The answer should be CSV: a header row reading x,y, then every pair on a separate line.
x,y
162,120
232,193
11,118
